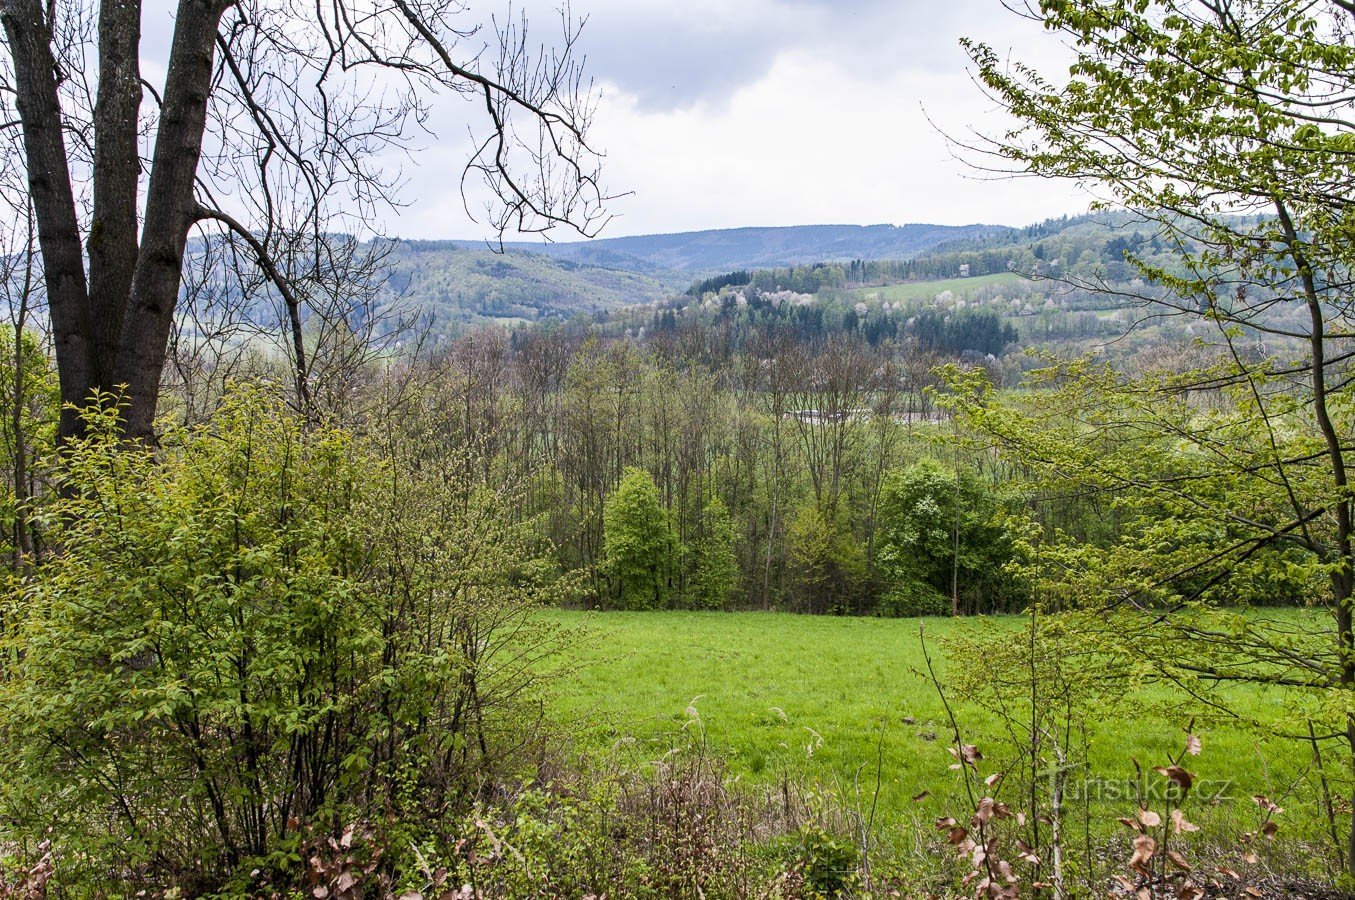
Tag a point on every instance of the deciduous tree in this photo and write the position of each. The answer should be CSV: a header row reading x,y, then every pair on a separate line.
x,y
270,126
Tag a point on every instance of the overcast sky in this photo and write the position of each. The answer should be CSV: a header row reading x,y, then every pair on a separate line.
x,y
721,113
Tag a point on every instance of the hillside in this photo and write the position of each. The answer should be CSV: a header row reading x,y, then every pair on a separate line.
x,y
462,285
465,283
704,252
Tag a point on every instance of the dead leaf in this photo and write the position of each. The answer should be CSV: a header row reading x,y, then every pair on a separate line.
x,y
1179,823
1176,775
1144,848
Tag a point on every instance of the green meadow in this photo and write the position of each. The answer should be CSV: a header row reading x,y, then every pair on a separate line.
x,y
830,702
926,290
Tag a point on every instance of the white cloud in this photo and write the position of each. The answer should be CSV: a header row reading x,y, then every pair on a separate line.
x,y
810,141
756,112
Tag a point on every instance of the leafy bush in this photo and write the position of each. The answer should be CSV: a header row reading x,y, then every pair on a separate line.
x,y
827,864
939,524
715,574
257,630
639,549
827,560
909,597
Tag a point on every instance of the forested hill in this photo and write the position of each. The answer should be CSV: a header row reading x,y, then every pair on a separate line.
x,y
467,283
705,252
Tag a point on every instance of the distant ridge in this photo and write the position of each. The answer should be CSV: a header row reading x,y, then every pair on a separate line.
x,y
718,250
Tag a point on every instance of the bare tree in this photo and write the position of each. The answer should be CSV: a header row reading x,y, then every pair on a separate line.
x,y
271,123
830,398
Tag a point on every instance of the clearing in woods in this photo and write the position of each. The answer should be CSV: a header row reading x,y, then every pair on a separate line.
x,y
827,700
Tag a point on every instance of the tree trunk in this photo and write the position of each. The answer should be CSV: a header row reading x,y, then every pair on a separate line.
x,y
171,209
49,184
111,332
112,244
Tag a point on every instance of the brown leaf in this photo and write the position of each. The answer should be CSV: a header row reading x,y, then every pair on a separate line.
x,y
1179,823
957,834
1025,853
918,798
1269,829
1193,746
1149,818
1178,860
993,779
1131,823
1176,775
1144,848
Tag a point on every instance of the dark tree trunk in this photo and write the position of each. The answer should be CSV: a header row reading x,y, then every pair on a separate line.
x,y
111,332
112,244
171,207
49,184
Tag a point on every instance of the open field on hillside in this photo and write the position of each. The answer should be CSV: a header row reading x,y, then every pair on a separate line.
x,y
926,290
827,700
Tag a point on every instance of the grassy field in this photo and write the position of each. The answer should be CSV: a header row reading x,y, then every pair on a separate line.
x,y
926,290
827,700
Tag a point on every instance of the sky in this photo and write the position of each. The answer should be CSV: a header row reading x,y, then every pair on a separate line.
x,y
725,113
728,113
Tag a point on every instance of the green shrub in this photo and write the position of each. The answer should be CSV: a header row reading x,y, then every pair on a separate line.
x,y
258,629
909,597
715,574
827,864
639,550
939,524
827,560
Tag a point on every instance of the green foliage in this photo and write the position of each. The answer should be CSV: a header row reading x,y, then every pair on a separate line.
x,y
256,628
715,574
909,596
639,549
827,863
829,565
938,525
953,334
38,400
